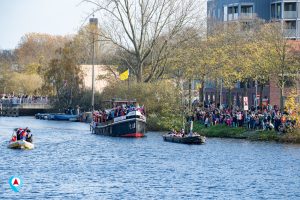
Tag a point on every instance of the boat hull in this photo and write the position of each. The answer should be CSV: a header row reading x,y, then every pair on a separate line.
x,y
185,140
20,144
64,117
127,128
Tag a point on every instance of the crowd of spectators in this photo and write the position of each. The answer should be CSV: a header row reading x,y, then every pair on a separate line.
x,y
23,99
266,118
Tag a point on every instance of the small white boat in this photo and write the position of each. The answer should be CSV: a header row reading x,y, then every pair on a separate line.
x,y
20,144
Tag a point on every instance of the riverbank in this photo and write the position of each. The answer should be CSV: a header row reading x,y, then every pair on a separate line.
x,y
223,131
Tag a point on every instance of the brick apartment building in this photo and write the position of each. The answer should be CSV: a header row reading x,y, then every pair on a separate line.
x,y
285,11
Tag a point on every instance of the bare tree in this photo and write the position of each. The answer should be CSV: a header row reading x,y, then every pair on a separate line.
x,y
145,28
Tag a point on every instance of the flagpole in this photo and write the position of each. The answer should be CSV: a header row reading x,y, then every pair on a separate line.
x,y
94,23
128,78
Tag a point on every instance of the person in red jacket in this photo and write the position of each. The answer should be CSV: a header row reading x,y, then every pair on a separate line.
x,y
14,138
24,134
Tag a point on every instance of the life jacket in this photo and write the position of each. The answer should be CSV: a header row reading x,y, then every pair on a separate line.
x,y
23,134
14,138
283,119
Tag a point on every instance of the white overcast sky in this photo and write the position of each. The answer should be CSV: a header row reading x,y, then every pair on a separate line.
x,y
58,17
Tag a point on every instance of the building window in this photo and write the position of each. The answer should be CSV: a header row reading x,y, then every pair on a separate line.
x,y
290,25
290,11
238,84
290,82
236,9
278,10
230,10
289,6
233,13
290,29
247,9
273,13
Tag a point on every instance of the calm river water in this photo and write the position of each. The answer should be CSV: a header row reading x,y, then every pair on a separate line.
x,y
71,163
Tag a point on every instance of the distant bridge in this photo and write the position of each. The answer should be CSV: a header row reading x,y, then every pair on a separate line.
x,y
17,107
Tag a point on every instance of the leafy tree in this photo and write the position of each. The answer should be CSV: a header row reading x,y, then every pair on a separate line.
x,y
35,51
7,60
293,108
257,62
22,83
64,77
227,56
281,56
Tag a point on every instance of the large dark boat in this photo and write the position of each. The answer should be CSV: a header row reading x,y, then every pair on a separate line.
x,y
131,124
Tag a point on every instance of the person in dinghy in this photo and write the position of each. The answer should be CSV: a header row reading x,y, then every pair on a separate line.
x,y
21,139
22,134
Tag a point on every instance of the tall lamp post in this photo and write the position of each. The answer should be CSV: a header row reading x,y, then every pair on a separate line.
x,y
298,87
221,95
256,99
94,25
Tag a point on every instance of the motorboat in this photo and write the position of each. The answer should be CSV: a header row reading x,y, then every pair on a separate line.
x,y
185,139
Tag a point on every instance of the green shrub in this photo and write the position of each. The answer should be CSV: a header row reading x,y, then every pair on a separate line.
x,y
160,100
292,137
264,135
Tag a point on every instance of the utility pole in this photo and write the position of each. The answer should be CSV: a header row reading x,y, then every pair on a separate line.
x,y
256,100
298,86
221,95
93,25
190,96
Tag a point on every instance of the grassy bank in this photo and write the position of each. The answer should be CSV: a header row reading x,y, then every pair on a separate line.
x,y
223,131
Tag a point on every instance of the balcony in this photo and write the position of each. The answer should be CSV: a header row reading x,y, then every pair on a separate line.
x,y
290,33
234,16
247,16
290,14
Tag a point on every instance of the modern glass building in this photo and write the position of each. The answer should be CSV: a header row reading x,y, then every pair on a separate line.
x,y
286,11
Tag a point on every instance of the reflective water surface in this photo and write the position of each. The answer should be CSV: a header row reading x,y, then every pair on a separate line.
x,y
71,163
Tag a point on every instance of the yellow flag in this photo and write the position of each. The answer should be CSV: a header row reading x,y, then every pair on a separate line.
x,y
124,75
198,86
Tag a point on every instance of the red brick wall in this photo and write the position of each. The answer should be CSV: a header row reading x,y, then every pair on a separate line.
x,y
274,93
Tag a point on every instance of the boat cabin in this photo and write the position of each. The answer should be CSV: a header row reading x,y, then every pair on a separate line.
x,y
121,110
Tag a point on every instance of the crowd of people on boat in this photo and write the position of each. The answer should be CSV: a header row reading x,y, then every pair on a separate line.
x,y
22,134
22,98
175,133
267,118
101,116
